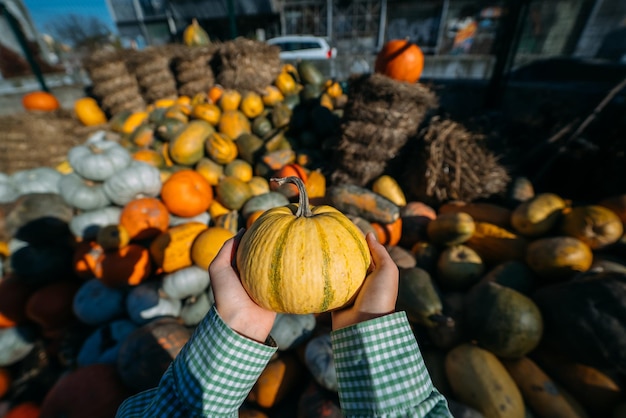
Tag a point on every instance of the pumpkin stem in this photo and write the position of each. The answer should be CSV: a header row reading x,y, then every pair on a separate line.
x,y
95,149
304,208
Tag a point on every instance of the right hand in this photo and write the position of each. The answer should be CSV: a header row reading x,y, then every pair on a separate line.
x,y
377,297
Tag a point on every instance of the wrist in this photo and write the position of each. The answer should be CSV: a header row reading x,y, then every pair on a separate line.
x,y
250,326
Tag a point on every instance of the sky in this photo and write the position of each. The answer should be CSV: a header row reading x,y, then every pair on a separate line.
x,y
43,11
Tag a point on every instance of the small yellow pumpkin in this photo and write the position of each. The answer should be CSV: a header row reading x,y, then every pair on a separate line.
x,y
240,169
207,112
388,187
230,100
207,244
234,123
210,170
251,105
187,148
89,112
297,259
220,148
133,121
286,83
272,95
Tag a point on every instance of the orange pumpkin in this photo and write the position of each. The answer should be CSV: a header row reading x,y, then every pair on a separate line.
x,y
144,218
276,380
40,100
388,234
86,255
253,217
400,60
187,193
215,93
127,266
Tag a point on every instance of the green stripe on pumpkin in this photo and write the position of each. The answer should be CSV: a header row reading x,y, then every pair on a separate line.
x,y
276,267
329,293
353,230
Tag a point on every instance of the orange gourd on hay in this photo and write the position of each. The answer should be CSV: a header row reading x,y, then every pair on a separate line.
x,y
187,193
145,218
400,60
40,100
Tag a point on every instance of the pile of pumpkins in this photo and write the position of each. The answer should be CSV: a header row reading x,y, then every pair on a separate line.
x,y
517,304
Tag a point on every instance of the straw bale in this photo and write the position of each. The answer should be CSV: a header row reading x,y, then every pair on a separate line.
x,y
454,163
245,64
194,87
106,87
370,134
157,77
193,74
135,104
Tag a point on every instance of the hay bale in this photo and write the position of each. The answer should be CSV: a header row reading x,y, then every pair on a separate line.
x,y
192,70
453,164
378,120
246,65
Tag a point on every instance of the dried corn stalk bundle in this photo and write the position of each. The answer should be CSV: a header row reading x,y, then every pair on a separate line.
x,y
379,118
245,64
112,84
31,140
151,69
453,164
192,69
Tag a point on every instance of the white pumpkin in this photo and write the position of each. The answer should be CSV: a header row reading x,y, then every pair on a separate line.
x,y
8,191
139,179
195,309
95,303
15,344
87,224
36,180
103,345
203,218
291,330
186,282
82,194
148,301
318,358
98,159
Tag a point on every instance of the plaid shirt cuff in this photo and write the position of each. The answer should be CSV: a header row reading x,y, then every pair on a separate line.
x,y
380,371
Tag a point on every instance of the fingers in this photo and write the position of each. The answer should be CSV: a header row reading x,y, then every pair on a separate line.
x,y
227,254
380,255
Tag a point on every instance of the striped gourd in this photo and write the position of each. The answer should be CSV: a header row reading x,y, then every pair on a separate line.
x,y
297,259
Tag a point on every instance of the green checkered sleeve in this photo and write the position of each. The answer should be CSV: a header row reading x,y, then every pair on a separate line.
x,y
210,377
381,372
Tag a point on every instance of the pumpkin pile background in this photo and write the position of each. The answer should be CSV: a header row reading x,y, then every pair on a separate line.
x,y
105,265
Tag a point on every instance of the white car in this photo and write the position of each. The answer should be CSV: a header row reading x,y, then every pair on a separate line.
x,y
303,47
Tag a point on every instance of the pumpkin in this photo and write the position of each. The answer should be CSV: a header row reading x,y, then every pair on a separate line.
x,y
215,93
537,215
271,95
388,187
402,257
194,35
113,237
230,100
281,115
24,410
249,147
234,123
91,391
594,225
318,358
86,225
288,170
187,193
258,185
558,258
240,169
316,185
233,193
459,267
96,303
544,397
8,191
186,282
207,112
415,217
495,244
617,204
98,160
263,202
418,296
187,148
210,170
451,228
147,352
229,221
295,259
82,194
36,180
480,212
502,320
40,100
195,308
514,274
221,148
274,160
290,331
102,345
359,201
479,380
276,381
89,112
127,266
251,105
585,319
400,60
388,234
207,244
133,121
144,218
253,217
149,156
15,344
168,128
149,301
286,84
137,180
170,250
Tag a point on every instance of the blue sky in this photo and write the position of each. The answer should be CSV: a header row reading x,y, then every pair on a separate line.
x,y
43,11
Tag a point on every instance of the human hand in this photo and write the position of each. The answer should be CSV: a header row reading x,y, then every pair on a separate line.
x,y
377,297
232,301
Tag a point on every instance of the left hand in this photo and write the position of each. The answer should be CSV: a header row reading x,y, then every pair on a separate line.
x,y
232,302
